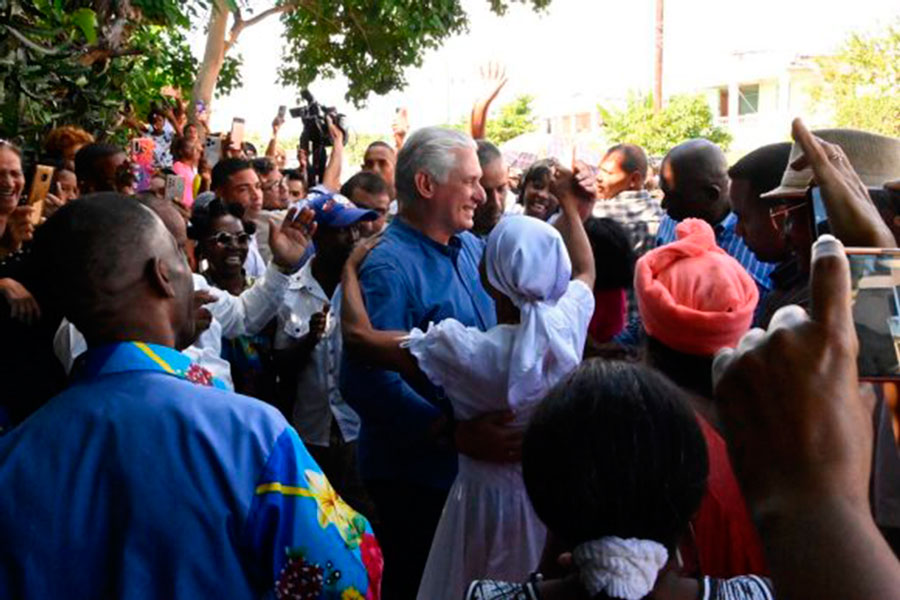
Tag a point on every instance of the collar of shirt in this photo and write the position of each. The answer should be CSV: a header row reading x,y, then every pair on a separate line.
x,y
408,231
125,357
726,225
305,280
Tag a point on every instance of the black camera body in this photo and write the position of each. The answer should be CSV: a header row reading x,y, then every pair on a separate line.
x,y
315,129
316,136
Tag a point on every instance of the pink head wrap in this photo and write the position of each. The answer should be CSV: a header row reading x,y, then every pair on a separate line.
x,y
693,296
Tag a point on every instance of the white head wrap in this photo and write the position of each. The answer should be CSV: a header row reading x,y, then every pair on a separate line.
x,y
526,260
625,569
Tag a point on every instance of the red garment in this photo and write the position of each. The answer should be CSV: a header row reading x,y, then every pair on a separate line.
x,y
725,542
610,309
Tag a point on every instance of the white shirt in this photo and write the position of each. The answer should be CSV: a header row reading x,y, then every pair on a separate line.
x,y
232,316
255,264
318,398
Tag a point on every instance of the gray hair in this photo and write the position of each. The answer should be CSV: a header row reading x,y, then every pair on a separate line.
x,y
430,149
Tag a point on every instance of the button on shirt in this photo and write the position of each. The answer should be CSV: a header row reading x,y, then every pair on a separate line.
x,y
409,281
136,482
728,240
318,398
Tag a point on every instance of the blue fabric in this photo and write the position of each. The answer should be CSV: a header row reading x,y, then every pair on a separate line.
x,y
136,483
408,281
728,240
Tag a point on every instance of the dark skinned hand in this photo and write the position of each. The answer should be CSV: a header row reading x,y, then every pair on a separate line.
x,y
290,240
789,399
202,316
489,438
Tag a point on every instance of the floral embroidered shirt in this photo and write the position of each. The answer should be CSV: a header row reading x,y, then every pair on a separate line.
x,y
144,480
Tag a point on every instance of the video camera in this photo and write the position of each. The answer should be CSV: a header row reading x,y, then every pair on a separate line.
x,y
315,136
315,129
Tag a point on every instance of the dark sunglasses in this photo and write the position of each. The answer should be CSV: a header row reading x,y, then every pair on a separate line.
x,y
224,238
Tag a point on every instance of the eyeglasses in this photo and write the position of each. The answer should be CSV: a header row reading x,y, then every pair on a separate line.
x,y
224,238
780,214
271,185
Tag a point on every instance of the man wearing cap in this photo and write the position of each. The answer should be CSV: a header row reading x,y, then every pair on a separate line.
x,y
308,348
844,163
752,176
694,179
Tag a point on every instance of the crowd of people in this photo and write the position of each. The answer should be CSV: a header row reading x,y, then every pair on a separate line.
x,y
433,380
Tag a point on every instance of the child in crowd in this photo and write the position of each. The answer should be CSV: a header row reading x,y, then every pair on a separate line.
x,y
615,464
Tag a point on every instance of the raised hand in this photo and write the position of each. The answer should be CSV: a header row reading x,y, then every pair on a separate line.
x,y
400,127
290,240
493,78
853,217
202,316
336,134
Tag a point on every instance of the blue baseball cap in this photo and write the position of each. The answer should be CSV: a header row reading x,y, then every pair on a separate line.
x,y
334,210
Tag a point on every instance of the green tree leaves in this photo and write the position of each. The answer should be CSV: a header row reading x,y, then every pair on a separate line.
x,y
515,118
371,43
862,82
684,117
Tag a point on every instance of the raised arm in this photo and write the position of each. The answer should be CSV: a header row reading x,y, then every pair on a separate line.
x,y
331,179
277,122
380,348
568,189
853,217
495,78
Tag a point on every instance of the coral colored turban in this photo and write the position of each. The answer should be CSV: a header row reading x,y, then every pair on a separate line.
x,y
693,296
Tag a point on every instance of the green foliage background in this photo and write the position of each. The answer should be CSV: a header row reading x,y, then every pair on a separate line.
x,y
861,82
682,118
80,62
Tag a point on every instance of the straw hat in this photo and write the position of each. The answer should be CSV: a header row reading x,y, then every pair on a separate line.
x,y
875,158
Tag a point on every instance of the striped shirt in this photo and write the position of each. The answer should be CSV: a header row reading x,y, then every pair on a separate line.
x,y
728,240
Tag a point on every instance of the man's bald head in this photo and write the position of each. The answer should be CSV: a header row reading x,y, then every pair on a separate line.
x,y
115,271
170,215
694,178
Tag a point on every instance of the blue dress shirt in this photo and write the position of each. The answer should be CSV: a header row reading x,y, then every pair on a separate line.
x,y
138,483
728,240
408,281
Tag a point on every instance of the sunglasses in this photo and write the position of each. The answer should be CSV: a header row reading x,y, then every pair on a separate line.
x,y
224,238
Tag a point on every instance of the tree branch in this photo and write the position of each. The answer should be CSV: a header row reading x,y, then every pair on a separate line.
x,y
240,24
31,45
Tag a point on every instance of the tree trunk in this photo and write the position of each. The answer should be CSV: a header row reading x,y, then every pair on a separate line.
x,y
213,59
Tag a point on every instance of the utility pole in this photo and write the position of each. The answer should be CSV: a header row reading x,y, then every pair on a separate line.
x,y
658,66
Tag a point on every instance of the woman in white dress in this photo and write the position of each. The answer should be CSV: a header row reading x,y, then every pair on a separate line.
x,y
544,304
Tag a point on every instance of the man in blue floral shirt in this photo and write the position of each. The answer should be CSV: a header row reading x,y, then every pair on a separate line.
x,y
143,479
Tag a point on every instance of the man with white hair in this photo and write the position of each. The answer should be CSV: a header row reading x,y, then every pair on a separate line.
x,y
424,270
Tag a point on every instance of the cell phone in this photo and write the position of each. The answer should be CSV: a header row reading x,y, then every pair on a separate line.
x,y
282,111
237,132
212,151
199,107
174,188
875,290
818,216
40,187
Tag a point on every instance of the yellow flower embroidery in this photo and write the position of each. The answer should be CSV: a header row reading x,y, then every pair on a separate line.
x,y
332,509
352,594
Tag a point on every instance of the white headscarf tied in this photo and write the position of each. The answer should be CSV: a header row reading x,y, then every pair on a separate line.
x,y
526,260
625,569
